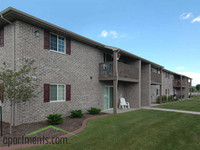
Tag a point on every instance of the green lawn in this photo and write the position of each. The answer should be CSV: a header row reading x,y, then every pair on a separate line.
x,y
137,130
190,105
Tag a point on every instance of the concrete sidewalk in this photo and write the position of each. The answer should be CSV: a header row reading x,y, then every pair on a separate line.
x,y
172,110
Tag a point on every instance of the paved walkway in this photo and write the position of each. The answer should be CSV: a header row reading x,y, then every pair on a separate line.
x,y
119,111
172,110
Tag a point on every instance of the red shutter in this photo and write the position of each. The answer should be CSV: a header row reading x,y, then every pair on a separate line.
x,y
1,37
1,93
68,92
46,92
46,40
68,46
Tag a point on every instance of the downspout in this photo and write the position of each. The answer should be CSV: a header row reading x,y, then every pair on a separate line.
x,y
13,43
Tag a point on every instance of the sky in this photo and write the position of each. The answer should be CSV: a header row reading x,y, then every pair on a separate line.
x,y
165,32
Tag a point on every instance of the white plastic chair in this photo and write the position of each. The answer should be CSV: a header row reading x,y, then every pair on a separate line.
x,y
123,104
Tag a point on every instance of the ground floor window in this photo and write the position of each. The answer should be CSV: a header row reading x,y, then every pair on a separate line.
x,y
166,91
57,92
174,91
157,92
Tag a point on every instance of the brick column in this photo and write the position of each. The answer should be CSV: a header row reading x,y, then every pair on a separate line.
x,y
140,76
181,88
190,88
161,73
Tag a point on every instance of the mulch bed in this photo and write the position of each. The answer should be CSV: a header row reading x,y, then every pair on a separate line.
x,y
69,124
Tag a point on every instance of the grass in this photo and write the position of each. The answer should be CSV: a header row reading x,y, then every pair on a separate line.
x,y
189,105
136,130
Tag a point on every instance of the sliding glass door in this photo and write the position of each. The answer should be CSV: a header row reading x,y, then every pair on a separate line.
x,y
108,97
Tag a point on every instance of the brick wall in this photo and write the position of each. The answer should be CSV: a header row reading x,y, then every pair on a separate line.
x,y
6,55
80,70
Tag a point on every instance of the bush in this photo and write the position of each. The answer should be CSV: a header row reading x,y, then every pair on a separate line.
x,y
170,98
76,113
158,99
176,99
55,119
94,111
164,98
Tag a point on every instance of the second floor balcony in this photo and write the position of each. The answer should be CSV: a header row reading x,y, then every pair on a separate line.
x,y
155,78
177,83
125,72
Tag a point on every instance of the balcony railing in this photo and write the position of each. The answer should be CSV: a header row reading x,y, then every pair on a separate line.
x,y
124,70
177,83
155,77
106,69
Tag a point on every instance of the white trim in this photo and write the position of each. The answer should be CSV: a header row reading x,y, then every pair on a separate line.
x,y
57,92
58,44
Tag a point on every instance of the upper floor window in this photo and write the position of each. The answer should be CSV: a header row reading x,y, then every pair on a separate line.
x,y
107,58
158,71
167,75
57,43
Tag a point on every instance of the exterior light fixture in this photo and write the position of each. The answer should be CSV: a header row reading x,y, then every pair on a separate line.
x,y
37,33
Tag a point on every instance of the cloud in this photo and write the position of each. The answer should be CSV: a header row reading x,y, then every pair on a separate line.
x,y
180,68
197,19
195,77
113,34
104,33
186,15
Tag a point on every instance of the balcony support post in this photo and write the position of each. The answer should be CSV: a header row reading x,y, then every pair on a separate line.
x,y
190,87
161,74
115,81
181,88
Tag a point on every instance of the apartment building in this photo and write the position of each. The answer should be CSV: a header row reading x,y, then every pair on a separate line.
x,y
78,73
173,84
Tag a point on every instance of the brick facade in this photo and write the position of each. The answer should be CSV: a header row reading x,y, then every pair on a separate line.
x,y
80,69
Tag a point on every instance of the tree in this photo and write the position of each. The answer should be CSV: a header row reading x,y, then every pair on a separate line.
x,y
19,86
198,87
193,89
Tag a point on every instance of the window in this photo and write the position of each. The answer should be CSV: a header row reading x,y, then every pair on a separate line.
x,y
57,43
174,91
158,71
107,58
167,75
157,91
57,92
166,91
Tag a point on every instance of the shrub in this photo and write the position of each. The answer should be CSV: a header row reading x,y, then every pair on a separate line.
x,y
170,98
158,99
176,99
164,98
55,119
76,113
94,111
